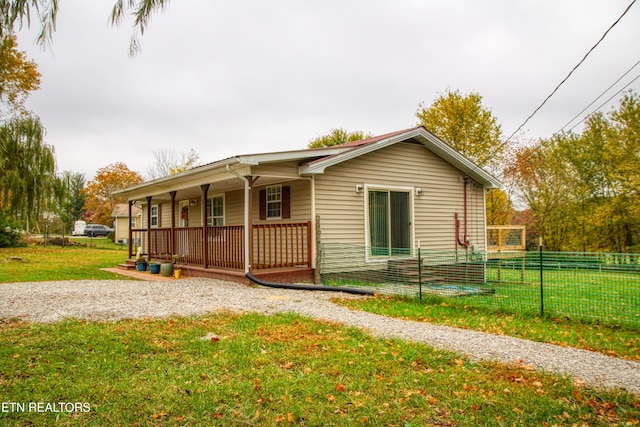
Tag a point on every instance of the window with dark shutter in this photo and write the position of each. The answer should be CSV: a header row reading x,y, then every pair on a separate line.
x,y
275,202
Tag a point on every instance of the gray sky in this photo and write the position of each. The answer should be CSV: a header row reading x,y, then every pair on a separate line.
x,y
233,77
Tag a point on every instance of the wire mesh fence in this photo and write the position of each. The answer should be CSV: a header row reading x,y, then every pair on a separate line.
x,y
590,286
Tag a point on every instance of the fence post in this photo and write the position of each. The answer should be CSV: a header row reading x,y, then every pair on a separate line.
x,y
541,280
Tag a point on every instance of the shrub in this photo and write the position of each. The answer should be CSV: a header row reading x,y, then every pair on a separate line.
x,y
10,235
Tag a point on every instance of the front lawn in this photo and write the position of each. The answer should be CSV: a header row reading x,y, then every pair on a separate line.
x,y
230,370
38,263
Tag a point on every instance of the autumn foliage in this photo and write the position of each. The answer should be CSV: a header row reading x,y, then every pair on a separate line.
x,y
100,198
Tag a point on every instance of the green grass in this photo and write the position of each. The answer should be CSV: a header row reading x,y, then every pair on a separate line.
x,y
612,297
275,370
41,263
465,313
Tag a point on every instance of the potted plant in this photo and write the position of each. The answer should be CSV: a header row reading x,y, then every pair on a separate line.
x,y
166,269
154,267
141,264
176,271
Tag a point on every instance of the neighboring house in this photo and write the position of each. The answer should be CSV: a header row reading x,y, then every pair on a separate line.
x,y
123,223
268,213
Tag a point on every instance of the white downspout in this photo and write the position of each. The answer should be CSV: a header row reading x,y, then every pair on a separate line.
x,y
314,237
247,226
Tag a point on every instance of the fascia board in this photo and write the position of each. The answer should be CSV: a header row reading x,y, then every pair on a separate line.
x,y
188,179
353,152
442,149
257,159
430,141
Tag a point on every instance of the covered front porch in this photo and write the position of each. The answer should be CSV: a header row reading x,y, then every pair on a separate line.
x,y
227,219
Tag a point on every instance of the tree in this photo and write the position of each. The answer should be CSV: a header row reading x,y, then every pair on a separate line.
x,y
70,197
18,76
27,169
15,12
100,198
337,136
543,183
500,210
462,122
169,162
582,189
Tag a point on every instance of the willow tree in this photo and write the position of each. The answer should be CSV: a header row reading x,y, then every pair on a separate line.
x,y
15,13
27,169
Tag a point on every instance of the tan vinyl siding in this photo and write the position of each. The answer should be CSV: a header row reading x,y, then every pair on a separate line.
x,y
234,207
342,210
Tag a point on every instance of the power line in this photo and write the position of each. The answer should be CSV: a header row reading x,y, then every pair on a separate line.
x,y
570,72
601,105
600,96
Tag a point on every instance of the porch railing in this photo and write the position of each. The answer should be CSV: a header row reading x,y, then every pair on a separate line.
x,y
281,245
274,245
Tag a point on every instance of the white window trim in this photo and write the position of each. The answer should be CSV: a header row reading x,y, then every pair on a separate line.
x,y
209,213
272,218
367,238
156,216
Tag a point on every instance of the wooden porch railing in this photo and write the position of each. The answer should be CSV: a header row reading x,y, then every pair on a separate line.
x,y
281,245
226,246
274,245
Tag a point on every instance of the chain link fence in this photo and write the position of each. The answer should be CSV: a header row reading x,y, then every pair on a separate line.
x,y
597,287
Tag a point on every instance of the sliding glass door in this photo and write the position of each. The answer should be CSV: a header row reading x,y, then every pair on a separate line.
x,y
389,222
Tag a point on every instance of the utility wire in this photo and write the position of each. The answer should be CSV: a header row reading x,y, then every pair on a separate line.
x,y
570,72
601,105
600,96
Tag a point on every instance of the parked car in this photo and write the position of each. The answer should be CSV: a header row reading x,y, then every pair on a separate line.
x,y
94,230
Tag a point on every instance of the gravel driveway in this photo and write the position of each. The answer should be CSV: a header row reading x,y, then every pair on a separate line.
x,y
117,299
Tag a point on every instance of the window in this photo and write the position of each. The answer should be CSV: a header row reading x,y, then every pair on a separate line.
x,y
155,210
389,228
184,213
133,223
274,202
215,211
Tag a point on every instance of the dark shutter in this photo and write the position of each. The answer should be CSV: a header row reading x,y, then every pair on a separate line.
x,y
263,204
286,202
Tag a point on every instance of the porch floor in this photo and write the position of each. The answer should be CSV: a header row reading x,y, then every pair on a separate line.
x,y
278,275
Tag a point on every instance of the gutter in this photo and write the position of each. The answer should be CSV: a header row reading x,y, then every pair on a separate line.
x,y
247,226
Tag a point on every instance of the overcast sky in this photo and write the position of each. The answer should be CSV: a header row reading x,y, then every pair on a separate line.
x,y
228,77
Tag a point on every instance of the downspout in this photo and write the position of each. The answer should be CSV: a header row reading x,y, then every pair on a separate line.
x,y
247,225
465,239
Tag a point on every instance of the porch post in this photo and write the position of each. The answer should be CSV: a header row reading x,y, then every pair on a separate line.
x,y
205,232
131,202
149,228
249,222
173,222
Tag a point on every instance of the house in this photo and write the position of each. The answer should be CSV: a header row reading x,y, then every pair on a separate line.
x,y
269,213
122,222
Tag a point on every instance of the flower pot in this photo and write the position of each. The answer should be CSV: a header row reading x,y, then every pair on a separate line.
x,y
166,269
176,273
141,266
154,268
